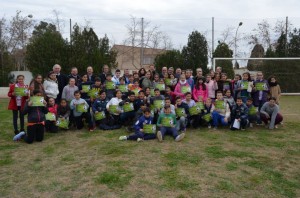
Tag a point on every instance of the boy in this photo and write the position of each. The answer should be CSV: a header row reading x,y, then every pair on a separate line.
x,y
222,112
181,120
127,115
167,123
208,109
156,96
270,112
36,121
78,116
140,134
239,114
111,88
99,105
252,113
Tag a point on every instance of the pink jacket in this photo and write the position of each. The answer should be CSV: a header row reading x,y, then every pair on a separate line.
x,y
211,88
177,90
199,92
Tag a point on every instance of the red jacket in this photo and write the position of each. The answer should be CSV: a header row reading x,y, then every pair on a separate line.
x,y
53,109
13,102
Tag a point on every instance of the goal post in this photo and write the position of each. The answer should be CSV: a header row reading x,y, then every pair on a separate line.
x,y
286,70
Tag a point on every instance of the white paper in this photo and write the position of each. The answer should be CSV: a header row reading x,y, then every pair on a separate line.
x,y
236,124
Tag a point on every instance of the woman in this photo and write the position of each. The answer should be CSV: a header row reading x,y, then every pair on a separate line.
x,y
51,86
142,73
147,80
37,83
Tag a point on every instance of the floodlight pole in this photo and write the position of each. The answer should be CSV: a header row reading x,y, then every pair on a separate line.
x,y
235,46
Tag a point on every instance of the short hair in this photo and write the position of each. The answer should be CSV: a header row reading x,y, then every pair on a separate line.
x,y
147,110
117,70
76,92
36,91
250,99
130,93
272,98
220,92
97,79
109,74
178,97
141,91
239,98
167,98
156,90
115,93
167,107
101,92
187,93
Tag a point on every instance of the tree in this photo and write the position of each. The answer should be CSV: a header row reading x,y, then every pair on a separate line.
x,y
294,44
222,50
195,52
170,58
46,47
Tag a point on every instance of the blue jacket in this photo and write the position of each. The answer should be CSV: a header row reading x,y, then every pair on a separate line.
x,y
141,121
100,105
239,112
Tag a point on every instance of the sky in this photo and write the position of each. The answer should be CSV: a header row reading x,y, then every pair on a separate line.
x,y
176,18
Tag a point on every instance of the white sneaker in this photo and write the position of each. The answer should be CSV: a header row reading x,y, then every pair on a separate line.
x,y
159,136
122,138
179,137
209,126
140,140
251,125
18,136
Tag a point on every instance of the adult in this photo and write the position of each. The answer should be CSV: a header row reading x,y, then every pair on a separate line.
x,y
74,74
62,81
37,84
116,77
171,70
199,75
126,76
153,71
142,73
105,71
270,112
219,70
90,74
51,86
164,71
147,80
178,73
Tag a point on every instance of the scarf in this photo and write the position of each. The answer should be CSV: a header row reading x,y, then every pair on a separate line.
x,y
273,84
182,83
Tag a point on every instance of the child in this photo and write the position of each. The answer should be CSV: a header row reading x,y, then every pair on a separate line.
x,y
17,102
188,100
36,121
243,87
239,113
181,120
221,113
99,106
170,94
109,90
51,124
234,85
156,80
211,87
115,102
209,107
124,92
167,123
182,87
140,134
275,90
152,101
95,88
63,110
78,115
229,99
69,90
168,103
252,113
84,91
270,112
200,90
225,82
128,115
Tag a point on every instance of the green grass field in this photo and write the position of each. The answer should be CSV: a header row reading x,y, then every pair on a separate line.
x,y
253,163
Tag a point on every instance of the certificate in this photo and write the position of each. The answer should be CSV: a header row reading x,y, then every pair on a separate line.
x,y
37,101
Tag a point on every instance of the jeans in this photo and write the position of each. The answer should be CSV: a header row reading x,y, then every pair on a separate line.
x,y
139,134
181,123
218,118
15,119
127,116
168,130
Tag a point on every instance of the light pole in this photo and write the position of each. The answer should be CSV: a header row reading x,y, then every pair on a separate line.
x,y
235,46
22,37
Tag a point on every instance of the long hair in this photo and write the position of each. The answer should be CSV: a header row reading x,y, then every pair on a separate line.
x,y
35,84
198,84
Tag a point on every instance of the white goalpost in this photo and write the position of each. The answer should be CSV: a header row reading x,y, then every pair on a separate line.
x,y
267,59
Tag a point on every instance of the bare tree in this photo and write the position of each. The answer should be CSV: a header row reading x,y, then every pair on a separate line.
x,y
58,21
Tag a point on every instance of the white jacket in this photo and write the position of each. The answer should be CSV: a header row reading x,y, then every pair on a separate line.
x,y
51,88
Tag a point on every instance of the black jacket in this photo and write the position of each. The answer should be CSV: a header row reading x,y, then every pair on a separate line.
x,y
35,114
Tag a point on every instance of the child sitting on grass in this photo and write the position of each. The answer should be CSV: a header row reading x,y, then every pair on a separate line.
x,y
36,121
167,124
140,132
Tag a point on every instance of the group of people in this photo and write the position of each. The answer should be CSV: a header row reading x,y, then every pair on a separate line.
x,y
147,103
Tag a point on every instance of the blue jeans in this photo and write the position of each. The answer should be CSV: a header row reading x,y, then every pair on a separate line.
x,y
139,134
127,116
181,123
218,118
168,130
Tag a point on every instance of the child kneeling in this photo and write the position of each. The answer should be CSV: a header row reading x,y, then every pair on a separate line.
x,y
144,128
167,123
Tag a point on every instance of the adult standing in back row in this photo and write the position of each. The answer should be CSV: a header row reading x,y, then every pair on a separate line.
x,y
62,81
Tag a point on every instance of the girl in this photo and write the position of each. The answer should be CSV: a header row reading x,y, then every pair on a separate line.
x,y
275,90
225,82
68,91
37,83
182,87
243,87
51,86
84,86
229,99
234,85
156,80
17,102
113,106
211,87
51,124
63,110
200,90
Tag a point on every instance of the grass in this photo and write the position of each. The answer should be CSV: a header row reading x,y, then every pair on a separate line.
x,y
207,163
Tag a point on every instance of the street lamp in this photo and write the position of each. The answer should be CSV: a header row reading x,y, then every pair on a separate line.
x,y
235,46
22,37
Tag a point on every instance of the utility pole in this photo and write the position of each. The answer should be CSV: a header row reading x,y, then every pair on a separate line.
x,y
142,42
212,42
236,65
286,34
70,40
1,48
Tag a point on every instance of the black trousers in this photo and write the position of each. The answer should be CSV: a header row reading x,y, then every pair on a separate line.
x,y
16,114
35,132
88,119
51,126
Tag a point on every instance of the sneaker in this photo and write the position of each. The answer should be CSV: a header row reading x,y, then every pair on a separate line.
x,y
266,126
18,136
276,127
215,128
121,138
159,136
140,140
251,125
179,137
243,129
17,132
209,126
92,129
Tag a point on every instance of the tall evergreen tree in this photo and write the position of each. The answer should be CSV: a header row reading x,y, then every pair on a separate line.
x,y
222,50
170,58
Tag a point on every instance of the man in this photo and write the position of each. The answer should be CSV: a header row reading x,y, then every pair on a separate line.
x,y
62,81
90,74
74,74
177,73
105,71
219,70
171,70
164,70
189,79
116,77
153,71
199,75
126,76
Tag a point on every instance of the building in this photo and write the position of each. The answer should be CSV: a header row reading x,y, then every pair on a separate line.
x,y
129,57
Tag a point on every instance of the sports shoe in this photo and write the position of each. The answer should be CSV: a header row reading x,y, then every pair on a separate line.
x,y
140,140
18,136
92,129
122,138
159,136
243,129
276,126
209,126
179,137
215,128
251,125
